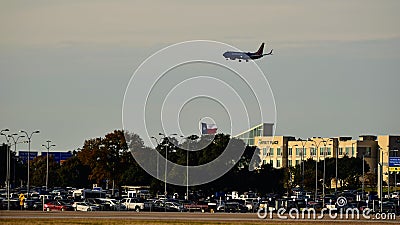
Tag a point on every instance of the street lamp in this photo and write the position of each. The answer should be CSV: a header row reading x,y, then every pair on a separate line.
x,y
157,152
114,158
336,167
363,171
166,138
29,154
315,144
323,179
189,138
15,141
393,150
48,146
381,177
303,144
8,165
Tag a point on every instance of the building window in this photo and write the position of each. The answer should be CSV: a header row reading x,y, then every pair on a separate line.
x,y
312,151
340,151
264,162
298,151
290,151
352,152
348,151
304,151
368,151
289,162
278,163
278,151
264,151
297,162
271,151
329,152
271,162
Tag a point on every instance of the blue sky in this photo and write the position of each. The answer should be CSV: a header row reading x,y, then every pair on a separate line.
x,y
64,65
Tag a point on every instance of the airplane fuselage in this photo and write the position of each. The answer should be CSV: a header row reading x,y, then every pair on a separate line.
x,y
241,55
246,55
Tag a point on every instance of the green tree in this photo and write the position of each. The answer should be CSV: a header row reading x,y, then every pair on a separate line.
x,y
39,168
349,172
73,173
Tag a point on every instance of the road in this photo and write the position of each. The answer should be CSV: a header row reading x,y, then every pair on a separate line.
x,y
169,216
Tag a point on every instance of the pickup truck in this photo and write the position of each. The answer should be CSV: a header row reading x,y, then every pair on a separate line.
x,y
198,206
133,204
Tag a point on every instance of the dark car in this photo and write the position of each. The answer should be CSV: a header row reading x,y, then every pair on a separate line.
x,y
100,204
57,205
235,207
31,204
14,204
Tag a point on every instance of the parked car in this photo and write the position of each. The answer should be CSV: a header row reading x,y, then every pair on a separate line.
x,y
33,204
14,204
174,206
100,204
235,207
84,206
133,204
57,205
114,204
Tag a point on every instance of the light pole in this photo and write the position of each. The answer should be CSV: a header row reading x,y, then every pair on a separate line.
x,y
323,179
315,144
303,144
336,167
157,152
29,155
363,171
8,165
48,146
189,138
15,141
381,177
389,151
395,180
114,158
166,160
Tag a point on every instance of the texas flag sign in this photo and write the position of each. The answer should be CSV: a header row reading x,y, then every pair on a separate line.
x,y
208,128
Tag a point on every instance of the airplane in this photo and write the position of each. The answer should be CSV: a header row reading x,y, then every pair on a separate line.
x,y
246,55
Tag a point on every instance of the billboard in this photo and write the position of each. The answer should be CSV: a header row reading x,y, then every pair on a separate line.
x,y
23,155
59,157
394,164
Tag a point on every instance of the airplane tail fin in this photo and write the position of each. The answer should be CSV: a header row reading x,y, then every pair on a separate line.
x,y
269,53
260,50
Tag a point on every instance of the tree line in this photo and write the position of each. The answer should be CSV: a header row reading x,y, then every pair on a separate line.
x,y
105,159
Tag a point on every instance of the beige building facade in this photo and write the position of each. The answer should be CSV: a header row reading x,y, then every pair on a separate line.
x,y
288,151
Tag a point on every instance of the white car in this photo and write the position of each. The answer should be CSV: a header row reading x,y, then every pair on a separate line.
x,y
83,206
